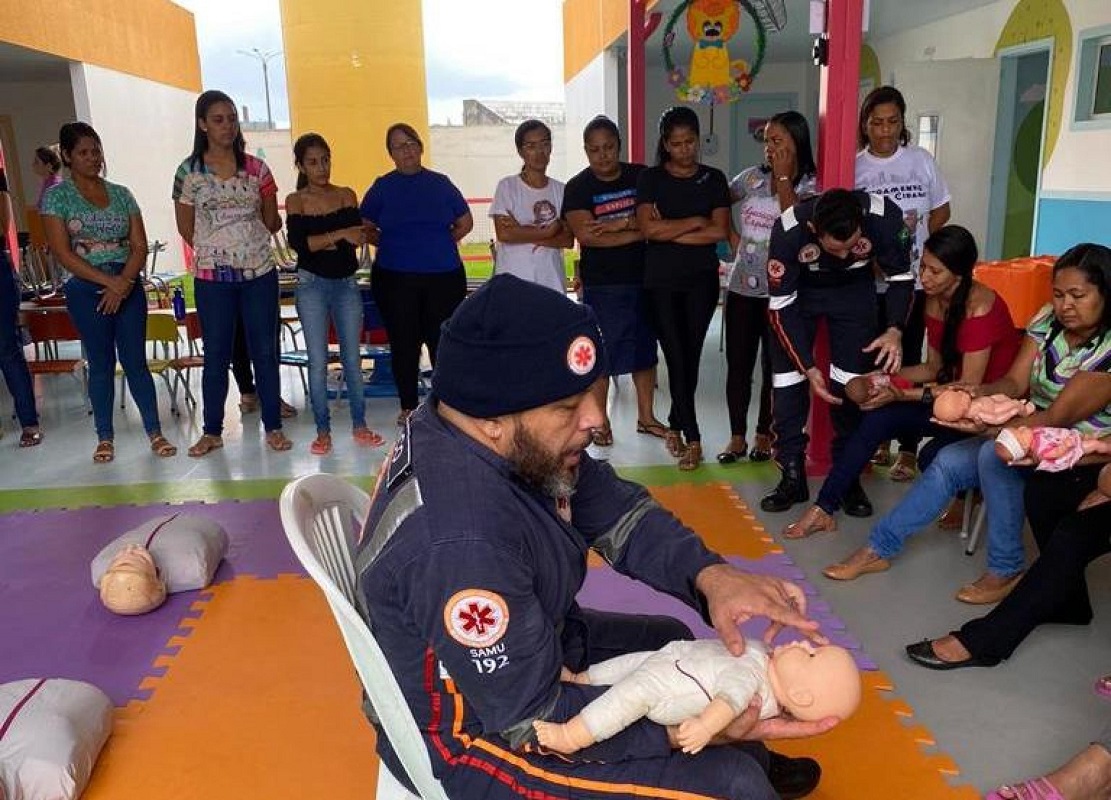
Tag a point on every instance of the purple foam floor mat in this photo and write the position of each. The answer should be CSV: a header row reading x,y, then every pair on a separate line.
x,y
611,591
51,621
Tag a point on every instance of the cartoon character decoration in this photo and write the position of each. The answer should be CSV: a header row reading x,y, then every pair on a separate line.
x,y
711,24
714,77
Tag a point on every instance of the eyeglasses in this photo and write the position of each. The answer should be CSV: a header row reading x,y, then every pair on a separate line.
x,y
542,145
408,144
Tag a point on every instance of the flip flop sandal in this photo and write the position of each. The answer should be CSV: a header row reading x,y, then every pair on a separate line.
x,y
161,446
367,437
105,452
1103,686
1033,789
602,437
882,457
205,445
657,429
278,441
30,437
904,469
321,445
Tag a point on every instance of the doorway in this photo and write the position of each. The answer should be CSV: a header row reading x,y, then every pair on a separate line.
x,y
1024,79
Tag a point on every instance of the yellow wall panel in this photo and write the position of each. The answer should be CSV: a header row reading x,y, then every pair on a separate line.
x,y
152,39
353,69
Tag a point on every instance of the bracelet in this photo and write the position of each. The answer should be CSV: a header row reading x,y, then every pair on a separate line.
x,y
782,178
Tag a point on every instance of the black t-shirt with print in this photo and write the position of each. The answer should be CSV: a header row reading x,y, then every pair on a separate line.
x,y
607,200
669,265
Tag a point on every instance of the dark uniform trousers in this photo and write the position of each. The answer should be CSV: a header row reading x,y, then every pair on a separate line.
x,y
850,313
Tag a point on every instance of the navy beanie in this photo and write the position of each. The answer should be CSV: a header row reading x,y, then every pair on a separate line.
x,y
515,345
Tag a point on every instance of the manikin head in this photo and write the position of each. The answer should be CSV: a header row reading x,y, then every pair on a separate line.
x,y
813,683
952,405
131,585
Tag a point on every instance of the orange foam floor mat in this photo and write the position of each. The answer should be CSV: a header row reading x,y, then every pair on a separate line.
x,y
260,701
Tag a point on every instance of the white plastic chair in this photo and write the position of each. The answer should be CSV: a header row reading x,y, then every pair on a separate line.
x,y
322,515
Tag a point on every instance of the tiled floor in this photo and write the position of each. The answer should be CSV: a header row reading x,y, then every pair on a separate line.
x,y
1018,719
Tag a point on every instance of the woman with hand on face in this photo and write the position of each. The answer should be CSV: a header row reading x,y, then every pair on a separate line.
x,y
531,236
683,210
226,206
96,232
889,165
760,194
417,218
599,205
326,232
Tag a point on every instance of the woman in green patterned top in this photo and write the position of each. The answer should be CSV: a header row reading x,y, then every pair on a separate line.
x,y
95,230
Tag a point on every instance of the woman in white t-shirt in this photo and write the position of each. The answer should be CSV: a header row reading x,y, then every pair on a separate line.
x,y
531,236
889,165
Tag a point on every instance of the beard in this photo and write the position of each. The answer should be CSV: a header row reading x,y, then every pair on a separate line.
x,y
540,468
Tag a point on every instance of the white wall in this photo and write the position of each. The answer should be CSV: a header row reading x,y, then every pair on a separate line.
x,y
36,109
146,129
275,147
476,157
592,92
798,77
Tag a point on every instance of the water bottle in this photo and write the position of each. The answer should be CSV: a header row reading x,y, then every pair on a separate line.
x,y
178,302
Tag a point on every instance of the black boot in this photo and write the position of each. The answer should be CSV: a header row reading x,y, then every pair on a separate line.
x,y
856,503
793,777
791,489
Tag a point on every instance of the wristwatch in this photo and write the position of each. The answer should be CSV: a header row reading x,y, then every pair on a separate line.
x,y
927,396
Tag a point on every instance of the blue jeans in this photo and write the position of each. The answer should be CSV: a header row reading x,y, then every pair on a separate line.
x,y
12,361
897,420
968,464
321,303
106,335
255,304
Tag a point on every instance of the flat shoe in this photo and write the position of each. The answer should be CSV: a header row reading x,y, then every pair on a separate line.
x,y
321,445
366,437
815,520
30,437
863,562
278,441
762,449
922,653
691,458
1033,789
977,595
674,443
657,429
602,437
205,445
161,446
730,456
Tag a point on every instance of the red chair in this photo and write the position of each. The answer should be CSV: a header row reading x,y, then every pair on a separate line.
x,y
47,329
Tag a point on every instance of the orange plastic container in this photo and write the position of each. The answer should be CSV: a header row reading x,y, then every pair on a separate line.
x,y
1025,283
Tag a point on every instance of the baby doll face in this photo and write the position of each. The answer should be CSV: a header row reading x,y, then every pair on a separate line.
x,y
951,405
813,683
131,585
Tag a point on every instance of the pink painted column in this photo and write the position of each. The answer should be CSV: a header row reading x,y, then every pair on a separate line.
x,y
837,123
635,72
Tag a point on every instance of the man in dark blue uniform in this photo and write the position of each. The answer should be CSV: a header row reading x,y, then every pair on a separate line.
x,y
474,551
823,258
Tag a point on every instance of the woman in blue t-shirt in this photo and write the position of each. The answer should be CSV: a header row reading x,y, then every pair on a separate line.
x,y
417,217
95,230
683,210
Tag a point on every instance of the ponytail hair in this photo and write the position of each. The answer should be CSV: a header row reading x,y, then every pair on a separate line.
x,y
674,117
300,148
